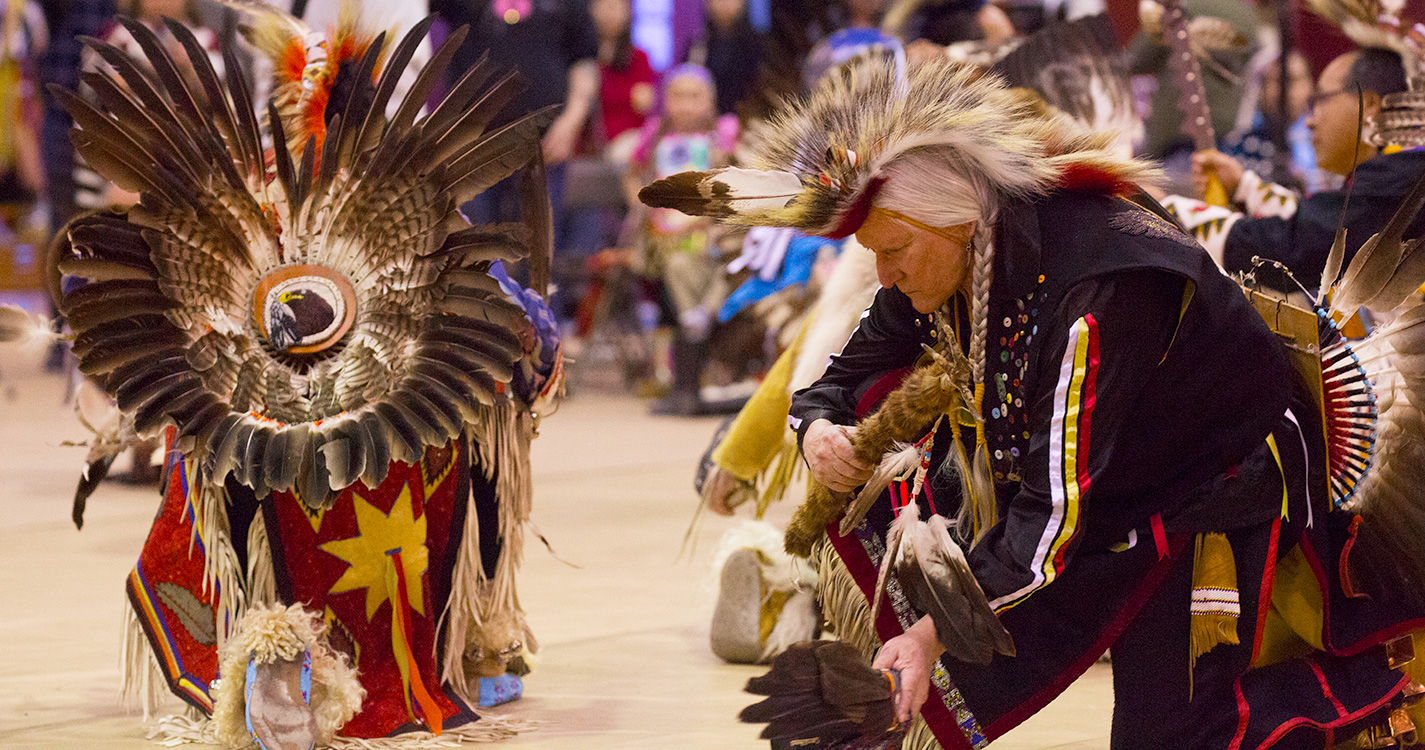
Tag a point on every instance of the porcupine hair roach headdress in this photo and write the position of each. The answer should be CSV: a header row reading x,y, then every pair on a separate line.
x,y
942,144
1378,23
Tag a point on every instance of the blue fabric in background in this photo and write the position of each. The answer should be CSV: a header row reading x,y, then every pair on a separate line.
x,y
796,271
546,330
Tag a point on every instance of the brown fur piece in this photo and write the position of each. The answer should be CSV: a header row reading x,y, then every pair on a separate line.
x,y
925,394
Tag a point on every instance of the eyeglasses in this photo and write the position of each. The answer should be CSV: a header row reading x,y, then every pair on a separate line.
x,y
1315,100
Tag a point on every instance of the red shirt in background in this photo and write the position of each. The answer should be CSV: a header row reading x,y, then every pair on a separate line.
x,y
616,94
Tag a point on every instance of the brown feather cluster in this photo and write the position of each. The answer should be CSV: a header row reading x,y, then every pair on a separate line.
x,y
925,394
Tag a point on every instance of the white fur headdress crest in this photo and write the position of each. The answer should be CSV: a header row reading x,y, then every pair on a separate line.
x,y
824,160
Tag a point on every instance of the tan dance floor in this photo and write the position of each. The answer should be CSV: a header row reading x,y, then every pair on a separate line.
x,y
624,661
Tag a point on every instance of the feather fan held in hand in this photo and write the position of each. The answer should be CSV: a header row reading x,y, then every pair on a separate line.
x,y
307,323
1375,403
936,579
823,694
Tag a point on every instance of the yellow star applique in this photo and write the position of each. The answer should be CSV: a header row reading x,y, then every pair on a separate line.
x,y
368,554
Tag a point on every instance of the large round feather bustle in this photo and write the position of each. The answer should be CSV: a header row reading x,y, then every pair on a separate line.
x,y
304,324
1375,406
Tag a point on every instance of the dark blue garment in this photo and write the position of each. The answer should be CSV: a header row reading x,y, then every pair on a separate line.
x,y
1303,241
60,65
538,365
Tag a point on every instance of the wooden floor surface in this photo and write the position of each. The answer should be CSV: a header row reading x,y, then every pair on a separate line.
x,y
624,661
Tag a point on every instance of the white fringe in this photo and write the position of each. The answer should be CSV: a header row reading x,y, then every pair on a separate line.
x,y
221,570
843,605
484,614
261,578
174,731
143,680
920,737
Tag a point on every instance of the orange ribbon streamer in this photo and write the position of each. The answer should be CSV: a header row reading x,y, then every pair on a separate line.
x,y
401,646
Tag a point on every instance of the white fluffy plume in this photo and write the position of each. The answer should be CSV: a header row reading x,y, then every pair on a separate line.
x,y
898,462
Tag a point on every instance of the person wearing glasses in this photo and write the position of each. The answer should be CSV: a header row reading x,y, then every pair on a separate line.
x,y
1270,222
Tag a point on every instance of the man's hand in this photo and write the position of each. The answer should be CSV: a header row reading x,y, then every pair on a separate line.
x,y
720,489
1228,170
913,654
832,460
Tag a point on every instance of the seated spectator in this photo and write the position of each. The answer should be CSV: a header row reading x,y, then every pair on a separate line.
x,y
1251,142
1273,224
593,200
626,91
679,249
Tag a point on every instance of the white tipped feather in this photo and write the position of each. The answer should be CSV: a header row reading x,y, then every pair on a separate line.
x,y
1378,265
899,461
936,579
1334,259
750,190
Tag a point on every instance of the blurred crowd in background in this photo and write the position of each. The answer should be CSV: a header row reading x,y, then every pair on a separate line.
x,y
656,303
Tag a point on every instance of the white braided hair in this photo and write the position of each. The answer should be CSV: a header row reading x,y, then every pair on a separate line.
x,y
933,187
